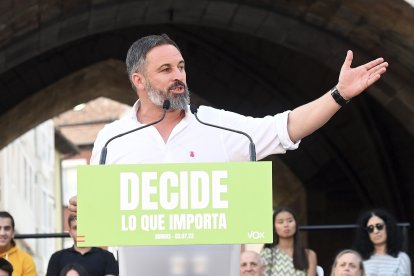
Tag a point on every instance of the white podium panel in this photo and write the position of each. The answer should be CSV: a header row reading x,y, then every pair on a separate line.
x,y
181,260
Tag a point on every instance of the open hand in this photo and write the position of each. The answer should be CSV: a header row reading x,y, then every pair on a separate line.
x,y
352,81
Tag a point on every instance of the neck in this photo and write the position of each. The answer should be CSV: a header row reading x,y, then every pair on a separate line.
x,y
286,245
5,248
380,249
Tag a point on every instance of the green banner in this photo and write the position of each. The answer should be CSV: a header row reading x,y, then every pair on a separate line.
x,y
175,204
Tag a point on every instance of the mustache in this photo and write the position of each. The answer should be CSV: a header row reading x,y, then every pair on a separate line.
x,y
177,84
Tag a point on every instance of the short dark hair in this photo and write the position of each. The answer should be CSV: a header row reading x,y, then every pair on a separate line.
x,y
137,53
5,214
5,265
74,266
362,242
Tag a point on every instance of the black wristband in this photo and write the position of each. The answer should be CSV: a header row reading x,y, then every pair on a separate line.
x,y
337,97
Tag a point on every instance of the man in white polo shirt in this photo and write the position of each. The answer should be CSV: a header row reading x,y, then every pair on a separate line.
x,y
156,70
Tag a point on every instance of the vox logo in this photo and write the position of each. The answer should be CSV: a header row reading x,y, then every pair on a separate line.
x,y
255,235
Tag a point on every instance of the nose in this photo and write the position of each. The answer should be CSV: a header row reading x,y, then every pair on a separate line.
x,y
179,74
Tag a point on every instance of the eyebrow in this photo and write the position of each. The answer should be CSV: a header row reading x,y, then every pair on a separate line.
x,y
169,64
6,226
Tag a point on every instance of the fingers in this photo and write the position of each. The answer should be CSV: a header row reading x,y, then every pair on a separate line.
x,y
376,72
376,76
373,79
73,204
72,210
348,60
374,63
73,200
378,68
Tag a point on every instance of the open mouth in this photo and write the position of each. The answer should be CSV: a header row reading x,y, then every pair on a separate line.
x,y
177,89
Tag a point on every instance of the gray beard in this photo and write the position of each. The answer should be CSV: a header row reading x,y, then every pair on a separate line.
x,y
177,101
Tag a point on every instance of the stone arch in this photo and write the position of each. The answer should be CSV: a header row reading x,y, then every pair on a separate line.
x,y
254,57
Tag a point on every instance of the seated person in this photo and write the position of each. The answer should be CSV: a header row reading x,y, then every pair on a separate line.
x,y
251,264
348,263
97,261
23,264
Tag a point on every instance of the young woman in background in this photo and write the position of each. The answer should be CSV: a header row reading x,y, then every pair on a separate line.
x,y
286,256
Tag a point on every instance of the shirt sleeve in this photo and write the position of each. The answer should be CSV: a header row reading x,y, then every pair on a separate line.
x,y
282,131
269,134
53,267
405,264
97,147
111,264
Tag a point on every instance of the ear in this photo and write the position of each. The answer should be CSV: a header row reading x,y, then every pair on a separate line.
x,y
139,81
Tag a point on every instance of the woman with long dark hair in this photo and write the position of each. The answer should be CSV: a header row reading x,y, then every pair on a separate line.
x,y
286,256
379,241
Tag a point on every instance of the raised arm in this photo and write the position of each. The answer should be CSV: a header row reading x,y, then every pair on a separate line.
x,y
309,117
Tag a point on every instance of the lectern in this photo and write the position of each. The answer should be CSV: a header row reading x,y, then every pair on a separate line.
x,y
179,260
176,219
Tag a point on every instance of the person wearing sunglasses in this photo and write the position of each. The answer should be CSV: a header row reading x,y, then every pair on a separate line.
x,y
379,241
